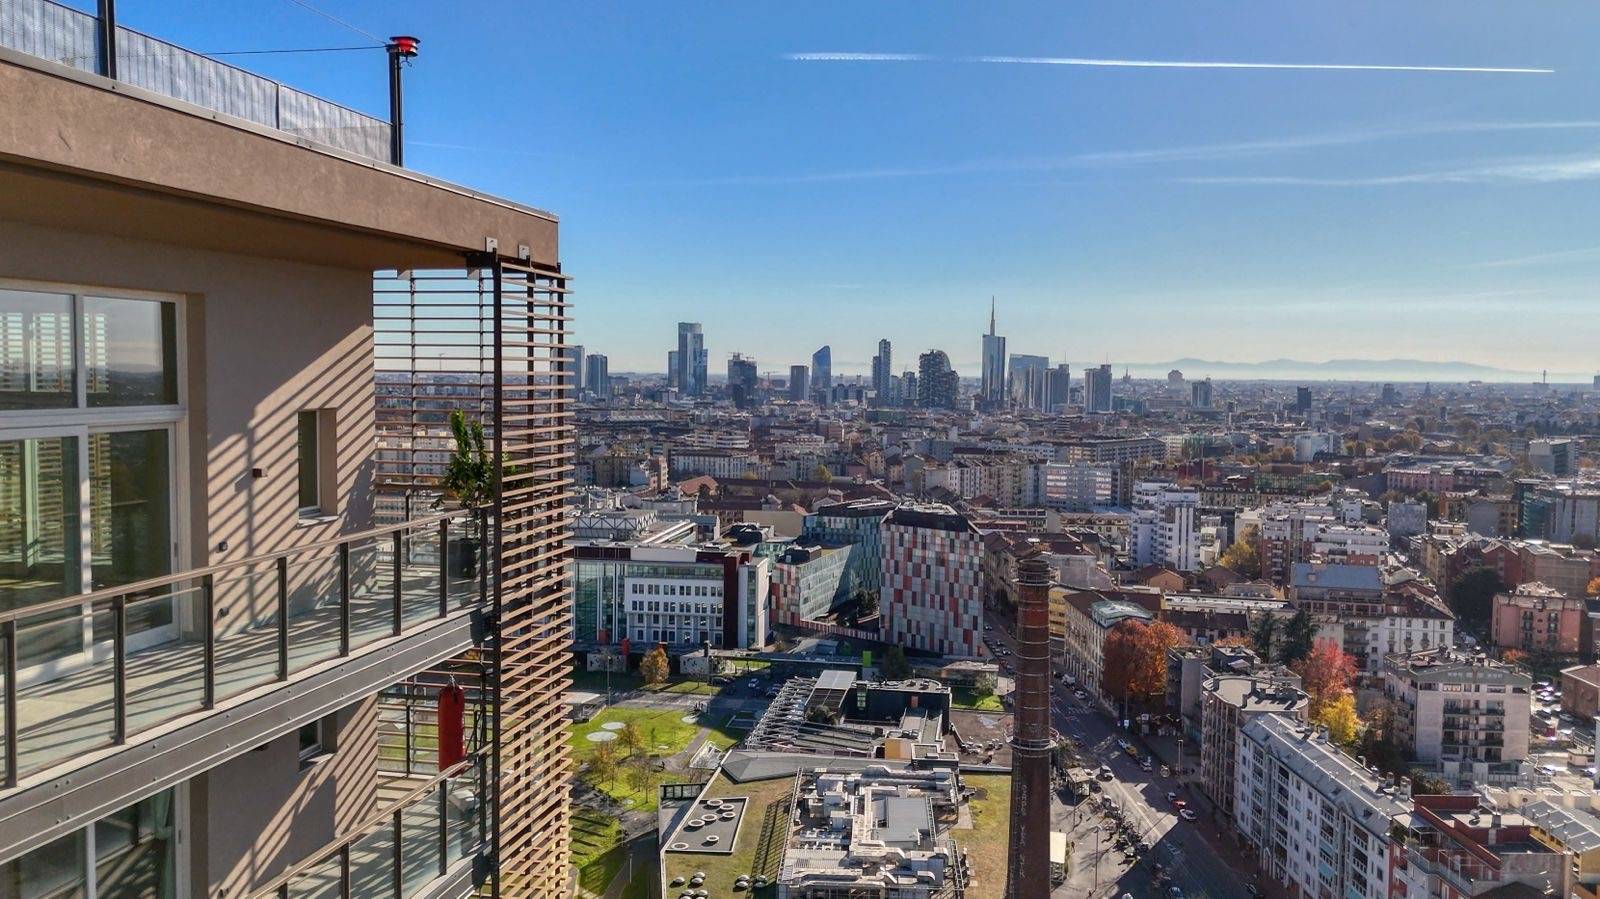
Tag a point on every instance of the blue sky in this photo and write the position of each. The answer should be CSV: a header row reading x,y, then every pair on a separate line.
x,y
1119,214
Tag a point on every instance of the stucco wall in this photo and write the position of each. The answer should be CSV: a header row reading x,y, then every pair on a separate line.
x,y
265,339
261,812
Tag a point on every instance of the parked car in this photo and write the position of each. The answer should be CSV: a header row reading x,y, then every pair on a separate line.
x,y
1166,771
1105,772
1146,764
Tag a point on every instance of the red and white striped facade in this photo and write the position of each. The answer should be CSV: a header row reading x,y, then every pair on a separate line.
x,y
932,593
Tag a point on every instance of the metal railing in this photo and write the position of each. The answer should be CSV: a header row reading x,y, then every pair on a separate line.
x,y
90,670
67,36
402,849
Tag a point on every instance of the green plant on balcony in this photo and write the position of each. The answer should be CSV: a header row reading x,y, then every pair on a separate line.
x,y
469,481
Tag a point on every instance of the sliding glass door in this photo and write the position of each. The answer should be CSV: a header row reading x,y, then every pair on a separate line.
x,y
89,401
41,540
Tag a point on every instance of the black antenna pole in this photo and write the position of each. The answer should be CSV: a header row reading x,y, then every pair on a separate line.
x,y
106,38
401,48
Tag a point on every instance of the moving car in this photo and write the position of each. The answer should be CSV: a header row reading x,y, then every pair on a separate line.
x,y
1105,772
1186,814
1171,796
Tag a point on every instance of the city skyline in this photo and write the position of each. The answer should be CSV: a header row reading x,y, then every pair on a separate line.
x,y
1119,213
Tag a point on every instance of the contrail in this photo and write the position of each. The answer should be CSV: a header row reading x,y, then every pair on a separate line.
x,y
1153,63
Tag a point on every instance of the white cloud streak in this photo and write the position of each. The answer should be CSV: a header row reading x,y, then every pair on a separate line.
x,y
1153,156
1558,257
1152,63
1551,170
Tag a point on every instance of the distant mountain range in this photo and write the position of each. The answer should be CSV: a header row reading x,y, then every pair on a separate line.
x,y
1344,370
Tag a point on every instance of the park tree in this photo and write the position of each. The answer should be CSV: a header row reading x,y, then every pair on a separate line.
x,y
1339,717
654,667
1298,635
1263,635
1326,674
1472,595
894,665
629,737
640,775
984,686
1136,659
821,473
603,764
1241,559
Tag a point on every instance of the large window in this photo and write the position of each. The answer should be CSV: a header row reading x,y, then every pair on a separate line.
x,y
123,352
89,388
128,855
37,361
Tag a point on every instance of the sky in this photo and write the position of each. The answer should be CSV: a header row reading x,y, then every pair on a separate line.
x,y
799,174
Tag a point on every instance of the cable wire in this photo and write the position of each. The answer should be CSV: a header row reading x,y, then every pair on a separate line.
x,y
335,19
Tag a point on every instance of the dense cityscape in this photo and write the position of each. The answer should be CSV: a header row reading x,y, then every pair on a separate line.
x,y
338,559
1260,595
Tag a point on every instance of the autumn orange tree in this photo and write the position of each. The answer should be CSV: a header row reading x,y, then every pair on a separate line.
x,y
1594,587
1326,675
1135,659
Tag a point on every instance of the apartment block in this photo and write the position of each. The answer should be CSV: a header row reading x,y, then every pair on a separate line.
x,y
1458,706
1164,529
1227,702
1535,618
1317,821
225,617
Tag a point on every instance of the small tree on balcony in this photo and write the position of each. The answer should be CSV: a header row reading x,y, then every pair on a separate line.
x,y
469,475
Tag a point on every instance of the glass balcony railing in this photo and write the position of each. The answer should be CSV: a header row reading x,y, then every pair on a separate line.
x,y
401,851
183,643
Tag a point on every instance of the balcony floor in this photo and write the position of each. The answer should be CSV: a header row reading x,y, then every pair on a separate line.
x,y
72,714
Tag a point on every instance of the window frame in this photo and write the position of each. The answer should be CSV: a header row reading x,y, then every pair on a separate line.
x,y
324,465
82,421
81,411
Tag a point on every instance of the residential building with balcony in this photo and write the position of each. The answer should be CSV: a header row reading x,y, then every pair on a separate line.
x,y
227,605
1533,617
1226,703
1316,820
1455,706
1456,847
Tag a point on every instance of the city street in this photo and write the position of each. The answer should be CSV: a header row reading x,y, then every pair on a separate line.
x,y
1199,855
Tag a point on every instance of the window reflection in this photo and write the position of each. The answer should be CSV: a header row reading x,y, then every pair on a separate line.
x,y
41,556
36,360
130,352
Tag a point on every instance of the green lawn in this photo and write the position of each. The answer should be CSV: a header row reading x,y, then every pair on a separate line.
x,y
985,843
685,687
595,681
965,698
665,734
594,835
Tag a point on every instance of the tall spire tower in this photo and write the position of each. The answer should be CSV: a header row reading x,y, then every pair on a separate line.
x,y
992,389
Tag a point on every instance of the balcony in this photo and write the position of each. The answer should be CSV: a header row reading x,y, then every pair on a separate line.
x,y
175,648
66,36
428,825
